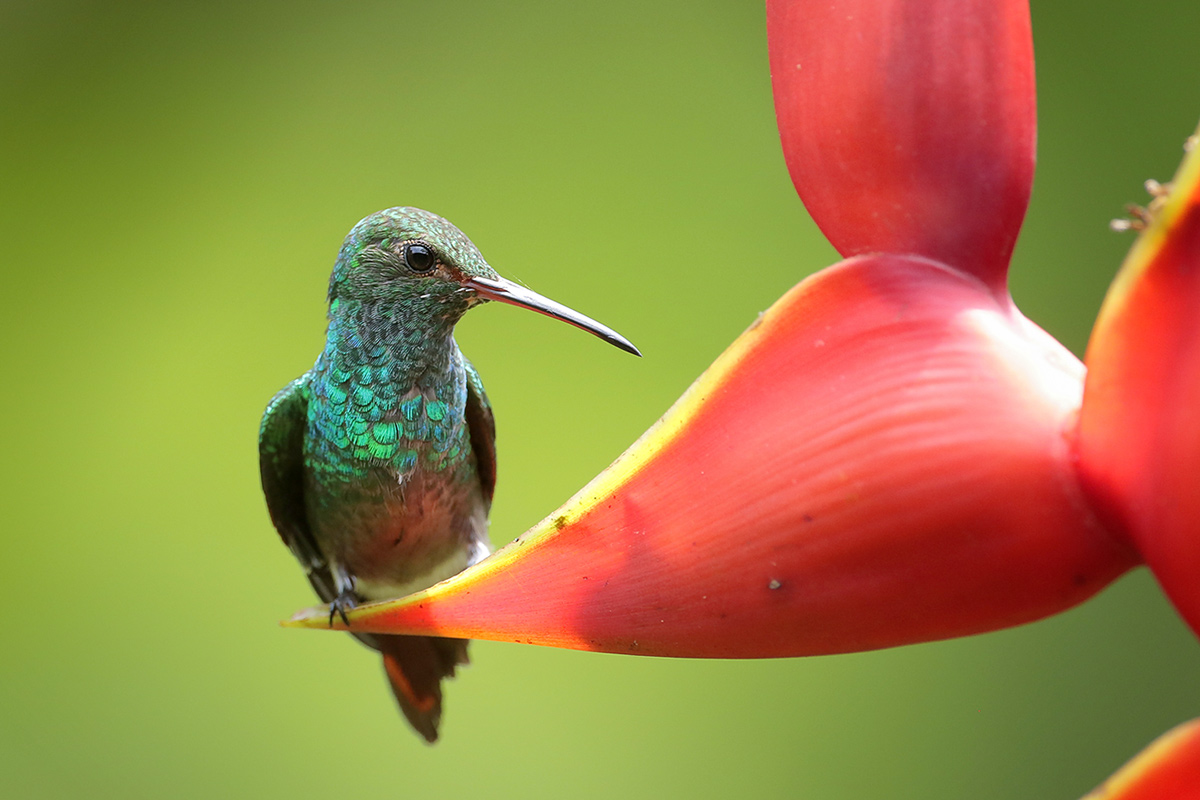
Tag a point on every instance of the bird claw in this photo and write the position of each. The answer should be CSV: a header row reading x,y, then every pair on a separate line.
x,y
340,605
343,581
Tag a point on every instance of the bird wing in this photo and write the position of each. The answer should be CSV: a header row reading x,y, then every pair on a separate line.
x,y
281,462
482,425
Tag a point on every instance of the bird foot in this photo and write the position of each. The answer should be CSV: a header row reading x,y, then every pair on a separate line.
x,y
341,604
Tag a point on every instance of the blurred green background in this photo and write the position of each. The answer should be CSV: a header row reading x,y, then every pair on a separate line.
x,y
175,181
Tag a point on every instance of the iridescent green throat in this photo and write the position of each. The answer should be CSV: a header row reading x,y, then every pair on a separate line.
x,y
387,394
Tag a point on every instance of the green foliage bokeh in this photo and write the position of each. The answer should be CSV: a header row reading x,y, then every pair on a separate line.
x,y
174,183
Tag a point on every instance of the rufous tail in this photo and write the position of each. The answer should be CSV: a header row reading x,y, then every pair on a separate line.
x,y
415,666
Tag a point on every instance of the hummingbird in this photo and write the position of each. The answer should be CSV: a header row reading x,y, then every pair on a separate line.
x,y
379,463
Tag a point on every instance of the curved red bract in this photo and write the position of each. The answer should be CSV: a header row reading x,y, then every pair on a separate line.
x,y
1140,428
909,126
1169,769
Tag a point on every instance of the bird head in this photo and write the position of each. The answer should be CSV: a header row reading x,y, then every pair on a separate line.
x,y
406,255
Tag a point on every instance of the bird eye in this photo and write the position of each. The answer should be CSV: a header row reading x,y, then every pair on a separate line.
x,y
419,256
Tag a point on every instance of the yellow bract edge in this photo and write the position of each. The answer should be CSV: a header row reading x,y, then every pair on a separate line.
x,y
1150,241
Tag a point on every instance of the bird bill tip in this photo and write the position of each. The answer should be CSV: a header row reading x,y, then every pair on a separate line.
x,y
505,291
626,345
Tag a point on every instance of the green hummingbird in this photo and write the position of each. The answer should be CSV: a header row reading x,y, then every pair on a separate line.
x,y
379,463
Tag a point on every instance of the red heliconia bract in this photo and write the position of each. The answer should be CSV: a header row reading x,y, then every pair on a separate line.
x,y
1139,431
1166,770
887,456
909,125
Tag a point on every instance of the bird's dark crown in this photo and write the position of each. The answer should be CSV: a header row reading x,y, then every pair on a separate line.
x,y
407,255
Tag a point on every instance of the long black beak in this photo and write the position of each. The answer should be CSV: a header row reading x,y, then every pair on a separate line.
x,y
506,291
